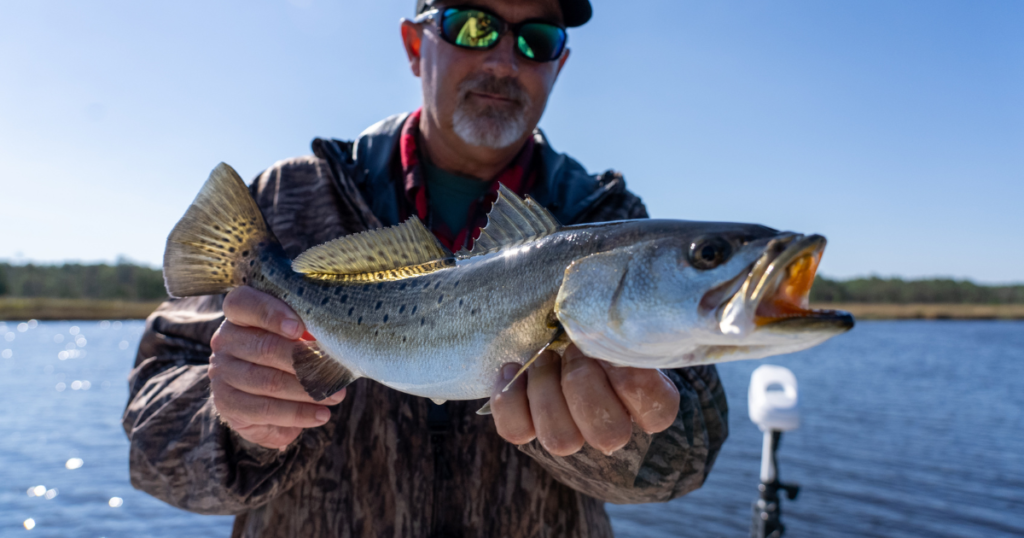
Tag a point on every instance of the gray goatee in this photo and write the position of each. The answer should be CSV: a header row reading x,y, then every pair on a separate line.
x,y
491,125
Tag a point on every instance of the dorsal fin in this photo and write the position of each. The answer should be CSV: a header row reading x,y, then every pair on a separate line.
x,y
513,221
401,251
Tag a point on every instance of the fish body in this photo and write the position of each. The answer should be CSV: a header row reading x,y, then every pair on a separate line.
x,y
393,305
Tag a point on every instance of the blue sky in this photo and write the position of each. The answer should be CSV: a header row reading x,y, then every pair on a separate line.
x,y
896,129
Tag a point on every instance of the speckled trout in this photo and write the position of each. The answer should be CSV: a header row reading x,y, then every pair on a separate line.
x,y
394,305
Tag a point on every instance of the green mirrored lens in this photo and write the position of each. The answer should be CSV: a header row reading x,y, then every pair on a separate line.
x,y
470,28
540,41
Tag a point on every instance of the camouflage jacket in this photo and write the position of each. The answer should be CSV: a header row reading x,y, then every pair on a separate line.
x,y
391,464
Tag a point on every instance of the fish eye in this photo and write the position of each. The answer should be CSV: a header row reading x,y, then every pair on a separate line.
x,y
709,253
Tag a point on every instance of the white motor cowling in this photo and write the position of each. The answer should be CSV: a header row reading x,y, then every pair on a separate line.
x,y
772,399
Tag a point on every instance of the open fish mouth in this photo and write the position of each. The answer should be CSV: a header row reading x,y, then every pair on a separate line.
x,y
775,292
784,276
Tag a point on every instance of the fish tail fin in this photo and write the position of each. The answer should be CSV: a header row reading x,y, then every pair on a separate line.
x,y
211,249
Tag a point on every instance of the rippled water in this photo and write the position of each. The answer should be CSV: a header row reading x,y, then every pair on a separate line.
x,y
909,429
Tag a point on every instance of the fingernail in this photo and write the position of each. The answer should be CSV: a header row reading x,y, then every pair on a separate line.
x,y
323,415
290,327
509,371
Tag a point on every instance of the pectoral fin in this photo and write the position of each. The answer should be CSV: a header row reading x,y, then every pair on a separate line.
x,y
556,338
320,374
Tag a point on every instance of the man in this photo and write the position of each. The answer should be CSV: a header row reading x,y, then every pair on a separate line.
x,y
219,423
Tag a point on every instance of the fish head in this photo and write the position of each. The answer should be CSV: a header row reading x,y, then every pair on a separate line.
x,y
697,293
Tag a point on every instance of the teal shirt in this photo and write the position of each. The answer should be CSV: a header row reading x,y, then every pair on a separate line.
x,y
450,195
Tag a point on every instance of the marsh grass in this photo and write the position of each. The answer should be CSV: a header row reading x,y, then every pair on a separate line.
x,y
47,309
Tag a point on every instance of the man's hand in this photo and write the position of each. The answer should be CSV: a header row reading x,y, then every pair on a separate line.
x,y
564,402
251,375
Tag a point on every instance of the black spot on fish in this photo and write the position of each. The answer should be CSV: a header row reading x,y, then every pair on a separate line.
x,y
402,287
309,310
344,298
245,280
379,303
299,291
245,253
381,285
426,285
473,312
460,302
252,263
441,298
325,301
414,307
215,227
456,283
360,321
403,339
438,285
351,308
366,287
231,250
401,310
422,321
377,332
385,318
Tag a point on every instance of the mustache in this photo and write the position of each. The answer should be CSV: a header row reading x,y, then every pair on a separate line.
x,y
505,87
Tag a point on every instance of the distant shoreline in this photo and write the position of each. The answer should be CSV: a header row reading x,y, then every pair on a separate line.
x,y
45,309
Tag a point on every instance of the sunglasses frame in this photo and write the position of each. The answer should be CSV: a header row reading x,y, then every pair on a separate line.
x,y
436,14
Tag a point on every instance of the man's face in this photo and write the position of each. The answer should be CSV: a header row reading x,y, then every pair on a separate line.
x,y
488,98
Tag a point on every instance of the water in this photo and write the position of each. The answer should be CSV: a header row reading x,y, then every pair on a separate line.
x,y
909,429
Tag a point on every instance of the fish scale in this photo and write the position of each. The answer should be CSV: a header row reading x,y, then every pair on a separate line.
x,y
395,306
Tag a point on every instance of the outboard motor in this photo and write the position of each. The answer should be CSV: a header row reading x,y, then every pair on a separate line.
x,y
772,403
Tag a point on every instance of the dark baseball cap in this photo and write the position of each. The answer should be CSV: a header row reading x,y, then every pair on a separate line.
x,y
575,12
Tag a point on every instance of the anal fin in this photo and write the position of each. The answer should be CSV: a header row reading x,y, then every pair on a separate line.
x,y
320,374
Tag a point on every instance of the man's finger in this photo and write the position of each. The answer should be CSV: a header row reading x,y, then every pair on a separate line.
x,y
249,307
510,409
554,425
248,409
275,437
254,345
651,398
262,380
596,409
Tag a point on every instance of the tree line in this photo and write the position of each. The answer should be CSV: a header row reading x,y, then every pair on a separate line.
x,y
122,281
899,291
130,282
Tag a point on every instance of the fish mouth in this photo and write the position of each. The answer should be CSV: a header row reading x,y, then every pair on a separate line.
x,y
777,288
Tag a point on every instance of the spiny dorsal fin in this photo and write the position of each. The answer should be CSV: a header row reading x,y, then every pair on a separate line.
x,y
401,251
513,221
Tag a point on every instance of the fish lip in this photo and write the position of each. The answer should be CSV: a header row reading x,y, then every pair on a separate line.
x,y
760,298
765,297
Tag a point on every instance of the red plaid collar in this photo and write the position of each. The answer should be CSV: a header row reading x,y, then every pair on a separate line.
x,y
519,177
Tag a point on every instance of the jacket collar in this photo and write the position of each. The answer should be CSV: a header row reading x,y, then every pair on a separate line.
x,y
565,187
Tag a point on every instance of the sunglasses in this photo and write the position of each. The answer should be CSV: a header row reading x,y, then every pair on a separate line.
x,y
478,29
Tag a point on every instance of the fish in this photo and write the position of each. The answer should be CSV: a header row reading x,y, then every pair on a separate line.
x,y
395,306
